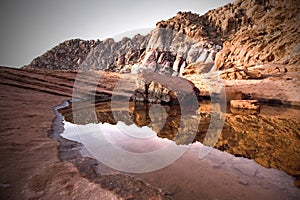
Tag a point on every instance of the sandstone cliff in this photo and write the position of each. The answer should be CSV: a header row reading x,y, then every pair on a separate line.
x,y
271,37
251,32
237,35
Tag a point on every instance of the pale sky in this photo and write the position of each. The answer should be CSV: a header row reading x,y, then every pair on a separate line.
x,y
31,27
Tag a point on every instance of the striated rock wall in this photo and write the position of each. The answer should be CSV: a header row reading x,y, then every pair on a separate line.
x,y
163,50
251,32
237,35
215,26
272,36
170,52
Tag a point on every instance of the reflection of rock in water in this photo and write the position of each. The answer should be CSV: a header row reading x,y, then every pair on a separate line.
x,y
267,140
243,111
137,113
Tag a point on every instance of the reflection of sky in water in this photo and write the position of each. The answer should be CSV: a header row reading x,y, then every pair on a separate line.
x,y
128,137
192,167
217,168
119,147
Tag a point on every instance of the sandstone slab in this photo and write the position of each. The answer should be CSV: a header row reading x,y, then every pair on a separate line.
x,y
245,104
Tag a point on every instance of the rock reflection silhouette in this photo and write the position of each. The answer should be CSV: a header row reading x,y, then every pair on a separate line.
x,y
271,141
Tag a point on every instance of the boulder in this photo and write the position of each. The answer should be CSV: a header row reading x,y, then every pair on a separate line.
x,y
157,88
245,104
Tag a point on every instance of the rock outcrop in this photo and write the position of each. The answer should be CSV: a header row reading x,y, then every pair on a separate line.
x,y
156,88
66,56
100,55
245,104
272,36
245,33
251,32
215,26
163,50
241,40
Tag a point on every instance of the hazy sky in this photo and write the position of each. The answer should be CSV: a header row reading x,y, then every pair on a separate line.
x,y
31,27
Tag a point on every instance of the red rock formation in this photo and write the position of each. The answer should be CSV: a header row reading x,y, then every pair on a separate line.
x,y
251,32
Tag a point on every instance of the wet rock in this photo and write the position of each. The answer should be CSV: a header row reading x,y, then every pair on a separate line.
x,y
238,111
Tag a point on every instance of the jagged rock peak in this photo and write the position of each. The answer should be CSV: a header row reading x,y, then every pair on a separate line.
x,y
249,32
65,56
216,25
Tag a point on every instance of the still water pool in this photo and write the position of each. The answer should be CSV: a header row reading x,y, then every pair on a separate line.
x,y
253,156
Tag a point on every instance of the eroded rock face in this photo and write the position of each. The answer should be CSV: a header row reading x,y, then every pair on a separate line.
x,y
96,55
114,56
250,33
163,50
214,26
272,36
170,52
238,35
66,56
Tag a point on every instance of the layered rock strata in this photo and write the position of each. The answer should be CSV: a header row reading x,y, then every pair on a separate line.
x,y
249,33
